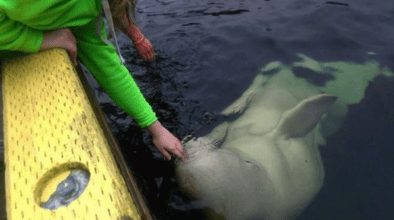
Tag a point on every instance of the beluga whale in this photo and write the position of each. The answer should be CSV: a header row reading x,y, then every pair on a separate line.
x,y
266,163
280,170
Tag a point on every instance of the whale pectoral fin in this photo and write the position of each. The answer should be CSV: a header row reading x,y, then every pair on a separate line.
x,y
240,104
300,120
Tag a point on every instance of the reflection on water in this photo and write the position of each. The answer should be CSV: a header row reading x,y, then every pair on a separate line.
x,y
209,52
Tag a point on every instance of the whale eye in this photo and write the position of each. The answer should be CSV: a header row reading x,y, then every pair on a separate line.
x,y
251,164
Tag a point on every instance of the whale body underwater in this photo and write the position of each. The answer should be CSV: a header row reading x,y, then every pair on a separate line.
x,y
266,163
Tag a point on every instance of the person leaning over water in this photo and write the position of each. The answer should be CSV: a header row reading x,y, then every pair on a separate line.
x,y
77,26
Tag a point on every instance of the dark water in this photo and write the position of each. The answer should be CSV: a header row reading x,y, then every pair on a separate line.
x,y
208,52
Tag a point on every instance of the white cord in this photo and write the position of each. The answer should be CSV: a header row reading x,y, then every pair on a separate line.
x,y
110,23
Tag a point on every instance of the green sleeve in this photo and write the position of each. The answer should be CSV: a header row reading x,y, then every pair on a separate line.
x,y
103,62
15,36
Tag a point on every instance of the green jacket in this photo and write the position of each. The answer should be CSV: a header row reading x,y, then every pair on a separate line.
x,y
22,23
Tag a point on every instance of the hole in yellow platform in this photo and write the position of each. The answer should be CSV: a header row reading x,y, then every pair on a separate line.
x,y
61,185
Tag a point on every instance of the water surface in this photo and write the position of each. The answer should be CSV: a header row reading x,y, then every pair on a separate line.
x,y
209,51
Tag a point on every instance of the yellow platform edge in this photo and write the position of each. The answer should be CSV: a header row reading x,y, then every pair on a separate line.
x,y
52,124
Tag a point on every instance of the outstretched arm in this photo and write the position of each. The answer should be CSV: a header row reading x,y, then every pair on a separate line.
x,y
103,62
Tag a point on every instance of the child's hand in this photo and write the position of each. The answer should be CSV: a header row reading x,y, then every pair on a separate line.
x,y
144,49
142,45
62,38
166,142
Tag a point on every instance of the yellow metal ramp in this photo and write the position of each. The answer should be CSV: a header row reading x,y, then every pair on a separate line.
x,y
50,129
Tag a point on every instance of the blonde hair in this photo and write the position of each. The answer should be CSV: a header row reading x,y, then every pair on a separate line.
x,y
117,9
